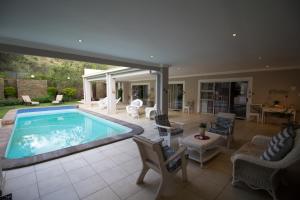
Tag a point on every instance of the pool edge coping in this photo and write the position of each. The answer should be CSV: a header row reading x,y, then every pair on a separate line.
x,y
8,164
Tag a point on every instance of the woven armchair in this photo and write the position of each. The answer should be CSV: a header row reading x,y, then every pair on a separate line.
x,y
257,173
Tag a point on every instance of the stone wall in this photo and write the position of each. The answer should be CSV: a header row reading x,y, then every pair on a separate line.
x,y
33,88
1,88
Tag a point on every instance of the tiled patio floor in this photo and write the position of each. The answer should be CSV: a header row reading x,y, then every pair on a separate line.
x,y
110,172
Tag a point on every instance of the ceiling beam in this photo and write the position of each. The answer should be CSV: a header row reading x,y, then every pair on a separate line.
x,y
12,48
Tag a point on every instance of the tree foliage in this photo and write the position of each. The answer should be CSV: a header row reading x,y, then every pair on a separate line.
x,y
60,73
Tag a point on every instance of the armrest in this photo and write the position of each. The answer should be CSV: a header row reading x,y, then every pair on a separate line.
x,y
179,153
165,127
180,124
258,161
260,140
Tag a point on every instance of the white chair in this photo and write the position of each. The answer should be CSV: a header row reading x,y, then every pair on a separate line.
x,y
28,101
134,109
102,103
58,100
150,111
255,111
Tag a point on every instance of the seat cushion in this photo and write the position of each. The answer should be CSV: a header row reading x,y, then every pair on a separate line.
x,y
174,131
252,149
167,153
219,130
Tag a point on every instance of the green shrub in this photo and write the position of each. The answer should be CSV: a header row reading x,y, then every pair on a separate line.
x,y
10,102
10,92
69,93
52,91
45,99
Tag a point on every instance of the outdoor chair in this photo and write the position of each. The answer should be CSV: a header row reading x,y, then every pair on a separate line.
x,y
250,168
163,160
224,125
58,100
134,109
150,112
169,131
28,101
102,103
256,111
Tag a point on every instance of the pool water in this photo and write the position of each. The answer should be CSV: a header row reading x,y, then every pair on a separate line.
x,y
40,132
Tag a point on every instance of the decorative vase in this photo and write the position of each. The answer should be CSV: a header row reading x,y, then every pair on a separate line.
x,y
202,132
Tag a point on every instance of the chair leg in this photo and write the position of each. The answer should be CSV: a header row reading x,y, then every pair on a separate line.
x,y
161,187
144,171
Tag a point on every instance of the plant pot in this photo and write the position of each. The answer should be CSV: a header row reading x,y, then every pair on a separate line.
x,y
202,131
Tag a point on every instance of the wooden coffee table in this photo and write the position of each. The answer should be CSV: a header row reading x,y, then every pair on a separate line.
x,y
202,150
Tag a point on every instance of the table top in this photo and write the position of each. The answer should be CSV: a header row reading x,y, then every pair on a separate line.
x,y
191,141
279,110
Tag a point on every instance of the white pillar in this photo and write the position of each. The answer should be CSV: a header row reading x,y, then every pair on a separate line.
x,y
162,83
111,94
87,91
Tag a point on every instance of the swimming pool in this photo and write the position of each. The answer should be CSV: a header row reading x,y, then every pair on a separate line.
x,y
40,131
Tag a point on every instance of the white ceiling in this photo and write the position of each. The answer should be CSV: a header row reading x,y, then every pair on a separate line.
x,y
194,36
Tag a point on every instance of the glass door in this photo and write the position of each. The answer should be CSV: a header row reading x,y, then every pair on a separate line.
x,y
222,97
207,95
140,92
238,98
175,96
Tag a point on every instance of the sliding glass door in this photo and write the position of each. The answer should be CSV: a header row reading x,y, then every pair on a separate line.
x,y
175,96
227,96
140,92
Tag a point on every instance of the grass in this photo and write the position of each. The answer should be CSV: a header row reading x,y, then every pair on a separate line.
x,y
5,109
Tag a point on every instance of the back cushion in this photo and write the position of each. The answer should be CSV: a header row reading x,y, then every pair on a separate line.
x,y
224,122
280,145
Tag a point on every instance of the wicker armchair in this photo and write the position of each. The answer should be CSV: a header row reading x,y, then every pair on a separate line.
x,y
257,173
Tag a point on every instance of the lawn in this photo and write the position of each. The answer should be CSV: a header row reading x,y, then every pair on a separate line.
x,y
4,109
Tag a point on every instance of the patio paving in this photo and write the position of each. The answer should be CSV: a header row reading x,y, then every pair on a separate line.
x,y
109,172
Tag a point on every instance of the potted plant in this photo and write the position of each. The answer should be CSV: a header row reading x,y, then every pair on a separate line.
x,y
202,128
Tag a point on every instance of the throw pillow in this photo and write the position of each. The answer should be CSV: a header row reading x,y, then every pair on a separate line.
x,y
278,150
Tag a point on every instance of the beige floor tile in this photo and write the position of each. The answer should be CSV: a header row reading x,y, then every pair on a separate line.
x,y
89,186
103,165
74,164
114,174
46,165
66,193
52,184
18,172
121,158
20,182
80,174
105,194
242,192
50,172
126,187
29,192
132,166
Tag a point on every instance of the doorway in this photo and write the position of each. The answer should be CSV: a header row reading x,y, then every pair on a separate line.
x,y
225,95
140,91
176,95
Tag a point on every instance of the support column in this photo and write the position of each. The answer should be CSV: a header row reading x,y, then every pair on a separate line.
x,y
87,91
162,84
111,94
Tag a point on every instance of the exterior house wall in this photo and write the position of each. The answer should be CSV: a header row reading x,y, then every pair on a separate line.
x,y
264,83
33,88
1,88
100,89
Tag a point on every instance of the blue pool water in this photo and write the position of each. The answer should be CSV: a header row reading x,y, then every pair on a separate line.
x,y
49,130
